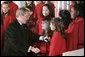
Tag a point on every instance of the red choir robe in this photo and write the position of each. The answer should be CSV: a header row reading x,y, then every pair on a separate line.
x,y
39,27
37,16
13,8
7,20
72,36
57,44
42,44
37,11
80,22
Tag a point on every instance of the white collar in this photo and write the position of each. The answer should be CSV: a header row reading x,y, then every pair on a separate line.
x,y
19,22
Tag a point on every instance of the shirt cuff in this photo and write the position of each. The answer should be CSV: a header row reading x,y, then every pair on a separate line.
x,y
41,38
29,49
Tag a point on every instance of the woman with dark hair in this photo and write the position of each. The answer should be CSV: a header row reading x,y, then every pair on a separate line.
x,y
6,18
79,20
39,6
66,17
42,27
51,13
71,30
46,13
57,42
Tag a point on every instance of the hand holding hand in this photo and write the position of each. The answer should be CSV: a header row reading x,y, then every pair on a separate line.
x,y
35,50
46,39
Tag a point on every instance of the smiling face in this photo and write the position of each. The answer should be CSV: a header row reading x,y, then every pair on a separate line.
x,y
45,11
5,8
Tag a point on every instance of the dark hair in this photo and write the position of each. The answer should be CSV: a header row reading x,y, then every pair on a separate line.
x,y
79,9
59,26
32,5
51,14
29,7
66,17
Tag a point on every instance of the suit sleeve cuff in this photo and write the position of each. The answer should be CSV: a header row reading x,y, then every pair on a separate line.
x,y
29,49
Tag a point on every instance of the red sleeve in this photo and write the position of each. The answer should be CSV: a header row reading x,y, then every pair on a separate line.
x,y
13,8
38,28
37,11
80,23
72,36
81,34
8,20
70,27
57,45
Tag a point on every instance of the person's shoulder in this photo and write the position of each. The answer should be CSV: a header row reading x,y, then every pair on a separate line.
x,y
39,4
12,25
13,4
79,19
55,33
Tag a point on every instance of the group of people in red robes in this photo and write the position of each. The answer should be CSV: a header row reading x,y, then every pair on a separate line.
x,y
58,35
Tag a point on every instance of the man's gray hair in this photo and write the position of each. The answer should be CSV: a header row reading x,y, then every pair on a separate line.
x,y
21,12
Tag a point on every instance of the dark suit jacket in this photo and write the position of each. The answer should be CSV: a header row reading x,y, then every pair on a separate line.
x,y
18,39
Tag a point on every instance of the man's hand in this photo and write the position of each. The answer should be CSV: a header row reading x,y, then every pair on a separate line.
x,y
35,50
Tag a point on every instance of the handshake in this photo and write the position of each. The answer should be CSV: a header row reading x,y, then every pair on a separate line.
x,y
34,49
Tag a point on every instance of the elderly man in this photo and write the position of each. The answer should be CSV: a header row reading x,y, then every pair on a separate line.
x,y
18,38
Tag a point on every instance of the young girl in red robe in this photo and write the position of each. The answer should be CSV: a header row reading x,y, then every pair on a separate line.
x,y
57,42
79,20
7,18
71,30
46,13
38,8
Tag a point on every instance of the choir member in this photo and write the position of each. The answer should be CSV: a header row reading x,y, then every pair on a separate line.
x,y
57,42
71,30
6,18
79,20
38,9
46,13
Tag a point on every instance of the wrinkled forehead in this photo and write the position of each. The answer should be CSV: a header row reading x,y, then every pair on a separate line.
x,y
4,5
